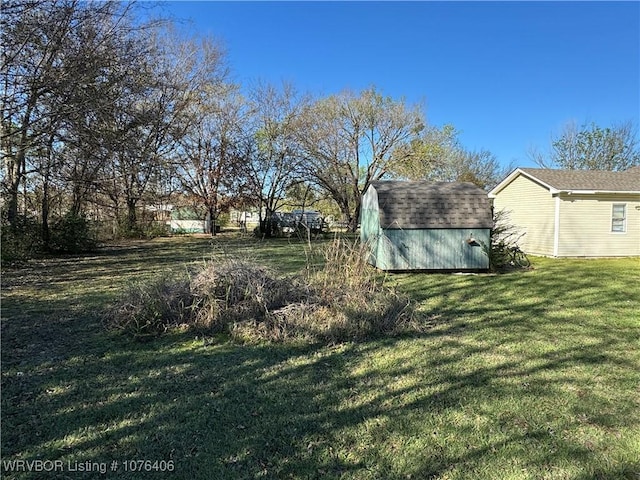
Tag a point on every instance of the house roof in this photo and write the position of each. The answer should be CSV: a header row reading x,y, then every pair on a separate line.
x,y
415,205
578,181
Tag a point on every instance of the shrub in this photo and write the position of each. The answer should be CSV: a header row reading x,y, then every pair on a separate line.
x,y
156,229
346,268
22,240
125,230
503,251
357,296
72,234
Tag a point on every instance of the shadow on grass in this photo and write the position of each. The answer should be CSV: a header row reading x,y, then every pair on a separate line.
x,y
510,380
224,411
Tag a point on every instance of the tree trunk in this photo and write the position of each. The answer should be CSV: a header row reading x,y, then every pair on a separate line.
x,y
354,220
12,206
132,217
265,227
77,200
15,170
212,221
46,233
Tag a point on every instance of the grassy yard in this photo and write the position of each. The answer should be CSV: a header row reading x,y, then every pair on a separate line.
x,y
527,375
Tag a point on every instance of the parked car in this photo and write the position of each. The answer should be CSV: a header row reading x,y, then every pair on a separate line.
x,y
298,220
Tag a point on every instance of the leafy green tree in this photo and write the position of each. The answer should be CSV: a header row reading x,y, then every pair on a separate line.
x,y
438,156
417,159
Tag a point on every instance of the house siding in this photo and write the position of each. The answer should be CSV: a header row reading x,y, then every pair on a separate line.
x,y
585,226
531,209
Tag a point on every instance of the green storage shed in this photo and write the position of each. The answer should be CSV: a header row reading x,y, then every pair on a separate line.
x,y
426,226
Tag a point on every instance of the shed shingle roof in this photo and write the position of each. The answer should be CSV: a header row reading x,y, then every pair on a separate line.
x,y
596,180
432,205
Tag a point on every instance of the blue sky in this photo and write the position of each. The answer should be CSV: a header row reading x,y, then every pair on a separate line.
x,y
506,74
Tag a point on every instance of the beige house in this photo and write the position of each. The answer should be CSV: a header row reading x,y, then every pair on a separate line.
x,y
573,213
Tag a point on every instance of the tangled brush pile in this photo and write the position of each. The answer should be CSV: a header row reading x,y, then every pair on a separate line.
x,y
344,300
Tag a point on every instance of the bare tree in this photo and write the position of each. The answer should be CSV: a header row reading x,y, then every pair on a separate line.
x,y
277,160
94,103
350,141
480,167
591,147
214,150
62,62
35,39
153,113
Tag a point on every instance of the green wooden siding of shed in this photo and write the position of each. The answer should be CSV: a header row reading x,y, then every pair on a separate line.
x,y
434,249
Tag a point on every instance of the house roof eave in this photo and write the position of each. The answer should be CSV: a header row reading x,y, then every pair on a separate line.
x,y
600,192
558,188
512,176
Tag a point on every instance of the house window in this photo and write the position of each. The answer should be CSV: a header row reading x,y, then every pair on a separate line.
x,y
619,218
